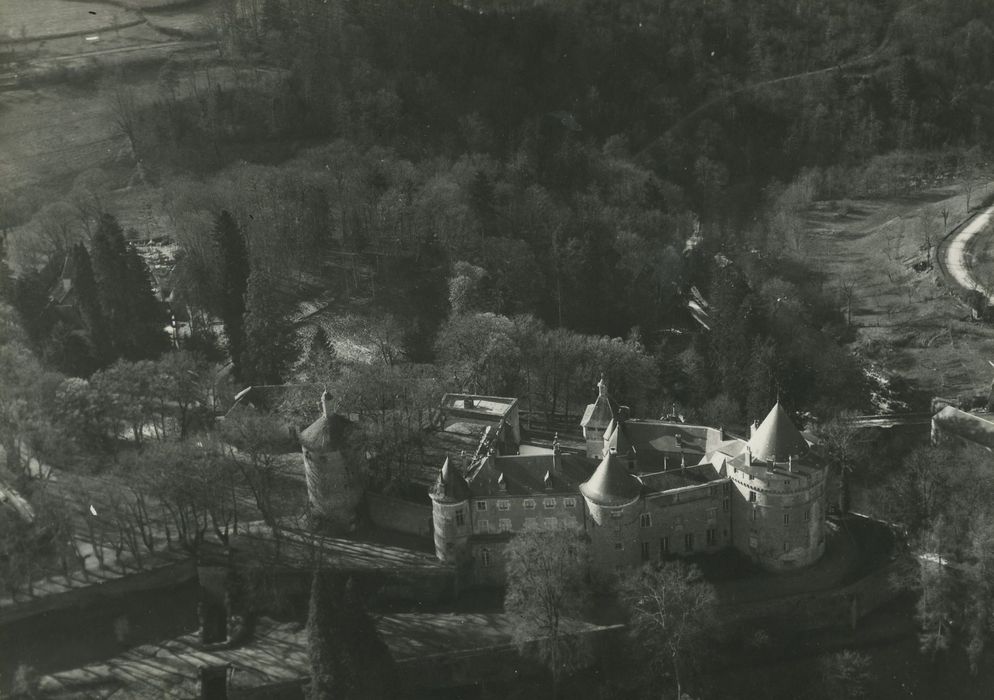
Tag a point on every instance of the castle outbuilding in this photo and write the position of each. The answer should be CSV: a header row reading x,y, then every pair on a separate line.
x,y
335,479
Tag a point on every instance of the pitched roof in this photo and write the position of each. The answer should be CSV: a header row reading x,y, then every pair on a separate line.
x,y
966,425
601,412
526,474
611,484
776,438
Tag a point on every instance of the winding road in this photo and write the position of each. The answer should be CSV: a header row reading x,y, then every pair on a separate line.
x,y
955,252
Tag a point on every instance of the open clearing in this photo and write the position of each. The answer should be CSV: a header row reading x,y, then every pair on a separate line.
x,y
910,323
26,19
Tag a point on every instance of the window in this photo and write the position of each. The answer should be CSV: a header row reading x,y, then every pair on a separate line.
x,y
569,502
754,515
481,505
664,546
688,542
531,522
726,488
504,525
549,503
724,505
786,518
503,505
712,514
712,537
529,504
712,491
618,546
483,526
645,520
551,523
785,546
807,515
752,496
460,517
485,559
615,514
645,551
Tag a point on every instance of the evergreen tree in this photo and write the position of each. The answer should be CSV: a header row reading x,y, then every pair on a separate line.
x,y
90,310
109,262
234,276
348,659
144,337
268,334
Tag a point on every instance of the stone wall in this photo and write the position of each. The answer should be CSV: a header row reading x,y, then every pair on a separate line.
x,y
400,514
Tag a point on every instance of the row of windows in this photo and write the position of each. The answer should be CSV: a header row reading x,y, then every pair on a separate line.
x,y
529,503
504,524
786,516
664,543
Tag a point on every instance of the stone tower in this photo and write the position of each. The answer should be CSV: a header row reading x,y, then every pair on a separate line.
x,y
596,419
612,495
450,514
335,481
778,517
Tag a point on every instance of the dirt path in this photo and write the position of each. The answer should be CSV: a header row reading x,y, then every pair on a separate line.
x,y
956,256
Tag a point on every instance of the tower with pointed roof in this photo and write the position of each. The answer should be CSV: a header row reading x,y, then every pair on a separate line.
x,y
596,419
778,513
335,481
450,497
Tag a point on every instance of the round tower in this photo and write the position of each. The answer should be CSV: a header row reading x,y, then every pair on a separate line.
x,y
612,495
450,514
596,420
335,484
779,518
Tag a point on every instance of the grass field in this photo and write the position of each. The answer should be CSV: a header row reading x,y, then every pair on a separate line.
x,y
910,323
23,19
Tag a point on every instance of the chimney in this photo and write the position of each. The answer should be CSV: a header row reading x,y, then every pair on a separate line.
x,y
555,445
748,456
468,402
326,403
623,412
753,428
790,463
602,387
548,481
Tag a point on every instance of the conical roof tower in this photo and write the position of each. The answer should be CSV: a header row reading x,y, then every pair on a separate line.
x,y
776,439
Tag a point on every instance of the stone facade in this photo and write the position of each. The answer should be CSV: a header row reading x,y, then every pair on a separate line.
x,y
656,489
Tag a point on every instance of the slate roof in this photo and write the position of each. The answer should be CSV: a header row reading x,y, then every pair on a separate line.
x,y
451,486
655,442
527,474
601,412
611,484
776,438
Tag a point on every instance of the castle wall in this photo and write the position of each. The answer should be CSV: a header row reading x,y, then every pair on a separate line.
x,y
784,526
676,523
400,515
512,512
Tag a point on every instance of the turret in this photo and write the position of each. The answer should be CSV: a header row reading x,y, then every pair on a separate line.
x,y
596,420
450,496
335,484
610,490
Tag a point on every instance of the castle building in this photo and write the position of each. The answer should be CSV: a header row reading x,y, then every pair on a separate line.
x,y
645,490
